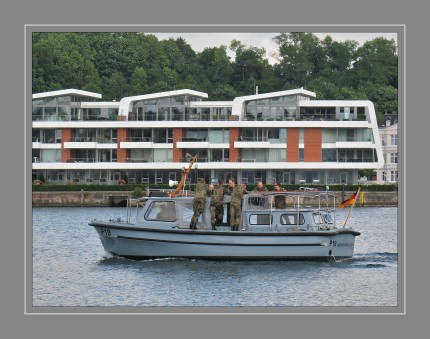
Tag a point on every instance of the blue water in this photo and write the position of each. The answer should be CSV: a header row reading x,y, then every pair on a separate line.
x,y
70,268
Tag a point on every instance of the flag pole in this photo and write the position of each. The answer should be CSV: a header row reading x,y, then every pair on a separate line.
x,y
358,192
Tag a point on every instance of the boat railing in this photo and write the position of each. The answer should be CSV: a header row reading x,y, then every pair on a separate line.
x,y
134,203
321,202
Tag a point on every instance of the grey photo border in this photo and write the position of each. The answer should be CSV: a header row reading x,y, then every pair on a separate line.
x,y
399,309
14,320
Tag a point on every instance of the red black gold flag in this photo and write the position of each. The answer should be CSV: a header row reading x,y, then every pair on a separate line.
x,y
349,201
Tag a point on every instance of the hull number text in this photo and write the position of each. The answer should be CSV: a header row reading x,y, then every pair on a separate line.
x,y
105,231
334,243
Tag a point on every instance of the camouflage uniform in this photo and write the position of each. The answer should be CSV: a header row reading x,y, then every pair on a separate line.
x,y
199,202
280,202
217,207
259,190
236,205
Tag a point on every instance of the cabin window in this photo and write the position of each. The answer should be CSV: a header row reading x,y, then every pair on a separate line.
x,y
256,202
323,218
161,211
260,219
318,218
291,219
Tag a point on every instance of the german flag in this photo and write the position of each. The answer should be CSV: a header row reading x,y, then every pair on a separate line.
x,y
349,201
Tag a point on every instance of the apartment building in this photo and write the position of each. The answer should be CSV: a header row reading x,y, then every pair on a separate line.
x,y
389,141
286,136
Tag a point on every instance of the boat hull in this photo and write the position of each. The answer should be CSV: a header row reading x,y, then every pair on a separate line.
x,y
146,243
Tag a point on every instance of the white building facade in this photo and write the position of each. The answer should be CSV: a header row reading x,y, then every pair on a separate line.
x,y
284,136
388,174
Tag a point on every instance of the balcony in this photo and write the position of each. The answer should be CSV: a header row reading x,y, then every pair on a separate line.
x,y
358,159
138,160
137,142
80,142
81,160
193,143
354,142
252,142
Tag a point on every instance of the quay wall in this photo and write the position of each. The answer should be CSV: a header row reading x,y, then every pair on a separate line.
x,y
80,198
115,198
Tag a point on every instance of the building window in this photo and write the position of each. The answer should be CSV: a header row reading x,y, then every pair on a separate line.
x,y
301,154
329,155
394,140
383,143
394,158
393,176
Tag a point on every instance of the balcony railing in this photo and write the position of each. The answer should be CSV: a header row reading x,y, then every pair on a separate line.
x,y
138,160
355,160
252,139
83,160
353,139
81,139
137,139
193,139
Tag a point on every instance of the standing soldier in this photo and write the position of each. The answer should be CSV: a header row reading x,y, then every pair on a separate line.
x,y
279,199
260,187
217,206
236,192
199,202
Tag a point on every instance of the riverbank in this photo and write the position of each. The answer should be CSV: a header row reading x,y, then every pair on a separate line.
x,y
117,198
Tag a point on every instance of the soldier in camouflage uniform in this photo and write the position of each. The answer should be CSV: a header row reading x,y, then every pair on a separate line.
x,y
199,202
236,192
279,199
217,207
260,187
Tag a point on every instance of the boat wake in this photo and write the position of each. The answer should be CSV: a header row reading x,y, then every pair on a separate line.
x,y
373,260
381,257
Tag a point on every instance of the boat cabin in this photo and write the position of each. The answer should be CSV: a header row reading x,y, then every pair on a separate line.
x,y
299,211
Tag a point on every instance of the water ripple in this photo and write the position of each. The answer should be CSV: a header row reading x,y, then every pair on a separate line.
x,y
70,268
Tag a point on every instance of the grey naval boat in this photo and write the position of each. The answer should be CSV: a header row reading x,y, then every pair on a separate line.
x,y
304,230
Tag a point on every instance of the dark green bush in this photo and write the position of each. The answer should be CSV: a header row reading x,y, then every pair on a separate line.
x,y
133,187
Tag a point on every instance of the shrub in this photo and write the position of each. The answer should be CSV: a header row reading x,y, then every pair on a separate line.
x,y
137,192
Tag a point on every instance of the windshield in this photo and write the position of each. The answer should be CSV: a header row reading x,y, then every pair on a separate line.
x,y
323,218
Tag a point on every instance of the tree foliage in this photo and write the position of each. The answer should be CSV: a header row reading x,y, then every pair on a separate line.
x,y
122,64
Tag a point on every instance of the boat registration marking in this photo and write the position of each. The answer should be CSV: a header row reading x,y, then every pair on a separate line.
x,y
334,243
105,231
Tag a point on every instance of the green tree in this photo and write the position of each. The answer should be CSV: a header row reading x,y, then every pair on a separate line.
x,y
130,63
251,69
301,58
114,87
339,60
385,99
63,60
215,67
376,62
223,92
138,81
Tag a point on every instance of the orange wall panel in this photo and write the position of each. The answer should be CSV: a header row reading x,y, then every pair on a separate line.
x,y
292,144
178,153
313,144
234,152
121,152
66,153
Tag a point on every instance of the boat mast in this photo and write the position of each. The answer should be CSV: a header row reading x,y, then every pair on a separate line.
x,y
184,175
